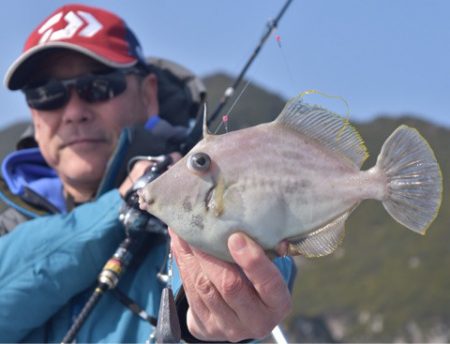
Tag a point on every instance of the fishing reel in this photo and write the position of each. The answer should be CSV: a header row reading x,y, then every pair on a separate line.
x,y
132,217
139,224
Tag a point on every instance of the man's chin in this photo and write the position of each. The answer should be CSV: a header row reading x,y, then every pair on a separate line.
x,y
81,166
84,170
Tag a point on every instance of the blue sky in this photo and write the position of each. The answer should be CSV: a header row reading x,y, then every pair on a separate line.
x,y
381,56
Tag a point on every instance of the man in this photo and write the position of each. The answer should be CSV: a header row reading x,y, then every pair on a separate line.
x,y
86,83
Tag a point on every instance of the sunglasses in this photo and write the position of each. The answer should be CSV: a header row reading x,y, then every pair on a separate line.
x,y
92,88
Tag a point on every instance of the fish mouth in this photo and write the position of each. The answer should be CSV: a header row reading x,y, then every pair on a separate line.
x,y
144,199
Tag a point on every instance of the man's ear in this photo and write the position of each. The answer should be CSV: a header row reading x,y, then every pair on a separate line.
x,y
150,94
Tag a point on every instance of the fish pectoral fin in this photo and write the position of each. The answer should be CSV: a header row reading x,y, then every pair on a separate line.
x,y
322,241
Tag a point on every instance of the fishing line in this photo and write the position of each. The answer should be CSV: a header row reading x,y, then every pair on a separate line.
x,y
225,121
226,117
196,132
345,120
329,96
285,60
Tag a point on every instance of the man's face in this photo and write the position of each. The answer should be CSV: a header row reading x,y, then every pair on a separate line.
x,y
78,139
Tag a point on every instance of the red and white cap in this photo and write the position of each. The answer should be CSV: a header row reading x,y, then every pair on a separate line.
x,y
92,31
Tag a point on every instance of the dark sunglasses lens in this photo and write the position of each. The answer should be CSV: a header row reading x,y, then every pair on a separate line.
x,y
91,88
50,96
97,88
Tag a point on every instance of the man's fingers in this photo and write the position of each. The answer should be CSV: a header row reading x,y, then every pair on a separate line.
x,y
188,268
231,301
208,311
263,274
240,295
230,281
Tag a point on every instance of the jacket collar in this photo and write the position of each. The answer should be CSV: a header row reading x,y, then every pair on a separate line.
x,y
27,174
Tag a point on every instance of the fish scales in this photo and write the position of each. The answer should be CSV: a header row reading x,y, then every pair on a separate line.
x,y
295,179
314,166
307,169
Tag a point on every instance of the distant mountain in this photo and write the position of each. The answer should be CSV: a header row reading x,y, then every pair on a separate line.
x,y
385,283
9,136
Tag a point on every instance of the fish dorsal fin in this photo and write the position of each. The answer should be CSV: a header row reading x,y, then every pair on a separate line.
x,y
205,121
329,129
322,241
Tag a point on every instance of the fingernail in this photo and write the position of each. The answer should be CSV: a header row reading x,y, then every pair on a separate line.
x,y
237,242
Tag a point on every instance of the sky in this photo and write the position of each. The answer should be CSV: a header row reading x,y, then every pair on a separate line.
x,y
387,57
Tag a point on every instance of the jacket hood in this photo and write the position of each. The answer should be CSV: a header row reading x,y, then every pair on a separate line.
x,y
26,169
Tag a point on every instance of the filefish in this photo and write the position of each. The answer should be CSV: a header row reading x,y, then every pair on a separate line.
x,y
294,180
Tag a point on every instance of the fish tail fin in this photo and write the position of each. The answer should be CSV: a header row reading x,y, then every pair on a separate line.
x,y
414,179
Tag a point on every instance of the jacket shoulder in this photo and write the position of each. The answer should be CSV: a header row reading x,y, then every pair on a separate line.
x,y
14,210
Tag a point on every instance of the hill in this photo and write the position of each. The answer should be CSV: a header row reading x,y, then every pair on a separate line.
x,y
9,137
385,283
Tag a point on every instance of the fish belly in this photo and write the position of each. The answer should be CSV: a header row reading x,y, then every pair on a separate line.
x,y
297,207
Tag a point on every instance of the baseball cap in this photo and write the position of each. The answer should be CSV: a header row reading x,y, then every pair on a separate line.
x,y
92,31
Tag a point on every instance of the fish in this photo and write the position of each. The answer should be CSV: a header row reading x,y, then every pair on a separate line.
x,y
294,180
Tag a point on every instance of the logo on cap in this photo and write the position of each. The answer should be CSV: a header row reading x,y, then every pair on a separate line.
x,y
79,23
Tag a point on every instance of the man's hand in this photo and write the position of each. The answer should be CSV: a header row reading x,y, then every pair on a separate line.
x,y
231,302
138,170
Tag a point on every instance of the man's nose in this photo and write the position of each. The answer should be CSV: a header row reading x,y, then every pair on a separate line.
x,y
76,110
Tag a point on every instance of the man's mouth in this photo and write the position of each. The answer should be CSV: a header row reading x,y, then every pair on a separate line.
x,y
79,142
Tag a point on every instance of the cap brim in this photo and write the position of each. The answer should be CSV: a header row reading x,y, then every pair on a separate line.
x,y
20,71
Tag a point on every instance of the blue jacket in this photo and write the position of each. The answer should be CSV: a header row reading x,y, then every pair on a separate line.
x,y
49,265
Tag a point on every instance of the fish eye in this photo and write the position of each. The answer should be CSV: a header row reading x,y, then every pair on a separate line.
x,y
199,162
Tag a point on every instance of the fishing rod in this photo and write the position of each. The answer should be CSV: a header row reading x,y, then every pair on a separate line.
x,y
230,90
139,226
196,132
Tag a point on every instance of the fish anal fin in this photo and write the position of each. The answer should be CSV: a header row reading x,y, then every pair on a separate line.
x,y
322,241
